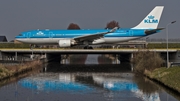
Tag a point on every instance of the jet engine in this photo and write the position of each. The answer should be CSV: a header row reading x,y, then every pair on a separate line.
x,y
65,43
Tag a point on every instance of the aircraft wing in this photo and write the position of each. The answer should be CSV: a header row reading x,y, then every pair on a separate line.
x,y
92,37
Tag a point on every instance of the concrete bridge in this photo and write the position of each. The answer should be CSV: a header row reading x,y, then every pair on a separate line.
x,y
85,51
21,54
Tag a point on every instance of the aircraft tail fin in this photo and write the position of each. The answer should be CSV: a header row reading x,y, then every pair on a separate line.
x,y
152,20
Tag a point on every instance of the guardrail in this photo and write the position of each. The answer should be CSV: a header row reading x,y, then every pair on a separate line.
x,y
149,40
140,43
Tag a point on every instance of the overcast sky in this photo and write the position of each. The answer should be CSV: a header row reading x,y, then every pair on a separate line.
x,y
17,16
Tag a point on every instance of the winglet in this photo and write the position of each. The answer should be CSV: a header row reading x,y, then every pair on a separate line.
x,y
113,30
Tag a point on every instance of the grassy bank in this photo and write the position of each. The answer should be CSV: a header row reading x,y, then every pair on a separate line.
x,y
169,77
9,71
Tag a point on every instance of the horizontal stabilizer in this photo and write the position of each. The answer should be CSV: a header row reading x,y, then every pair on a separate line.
x,y
148,32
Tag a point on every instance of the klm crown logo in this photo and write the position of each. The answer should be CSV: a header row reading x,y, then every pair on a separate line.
x,y
151,19
40,33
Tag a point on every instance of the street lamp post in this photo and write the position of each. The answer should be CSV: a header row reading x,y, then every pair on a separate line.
x,y
167,42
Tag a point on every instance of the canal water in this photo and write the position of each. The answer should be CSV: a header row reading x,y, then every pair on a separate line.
x,y
84,78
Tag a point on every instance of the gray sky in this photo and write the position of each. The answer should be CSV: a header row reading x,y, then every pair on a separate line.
x,y
17,16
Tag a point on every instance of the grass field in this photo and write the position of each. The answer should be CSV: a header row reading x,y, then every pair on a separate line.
x,y
168,76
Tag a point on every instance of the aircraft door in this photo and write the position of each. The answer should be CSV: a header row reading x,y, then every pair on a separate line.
x,y
131,33
28,35
51,35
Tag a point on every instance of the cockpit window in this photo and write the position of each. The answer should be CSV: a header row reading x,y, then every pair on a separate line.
x,y
20,34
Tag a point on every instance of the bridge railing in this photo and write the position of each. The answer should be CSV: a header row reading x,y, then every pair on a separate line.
x,y
159,40
140,43
13,45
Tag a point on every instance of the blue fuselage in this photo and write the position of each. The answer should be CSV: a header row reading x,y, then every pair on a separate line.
x,y
66,38
76,33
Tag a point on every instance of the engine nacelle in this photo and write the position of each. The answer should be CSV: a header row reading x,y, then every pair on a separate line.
x,y
64,43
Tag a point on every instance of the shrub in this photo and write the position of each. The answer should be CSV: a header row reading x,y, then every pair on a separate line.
x,y
1,70
146,60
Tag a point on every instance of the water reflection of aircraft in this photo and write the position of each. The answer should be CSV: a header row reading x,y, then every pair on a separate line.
x,y
122,82
49,82
79,83
115,83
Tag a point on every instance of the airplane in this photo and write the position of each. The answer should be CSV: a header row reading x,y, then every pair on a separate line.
x,y
88,37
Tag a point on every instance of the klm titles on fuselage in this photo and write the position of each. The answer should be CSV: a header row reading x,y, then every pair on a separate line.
x,y
151,20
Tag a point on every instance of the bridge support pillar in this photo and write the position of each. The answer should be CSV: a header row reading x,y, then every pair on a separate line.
x,y
116,59
45,56
15,56
64,59
132,55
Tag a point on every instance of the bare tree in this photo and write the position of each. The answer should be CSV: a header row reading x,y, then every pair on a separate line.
x,y
112,24
73,26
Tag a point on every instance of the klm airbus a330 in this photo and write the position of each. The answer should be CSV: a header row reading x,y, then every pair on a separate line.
x,y
69,38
